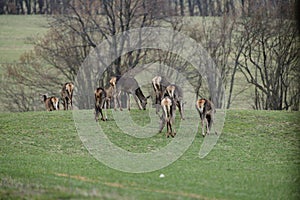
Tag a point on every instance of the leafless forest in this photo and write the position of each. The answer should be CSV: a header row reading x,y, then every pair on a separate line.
x,y
255,39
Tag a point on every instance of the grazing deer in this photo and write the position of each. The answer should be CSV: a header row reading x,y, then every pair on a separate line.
x,y
130,86
100,98
51,103
159,85
168,116
206,111
111,92
175,92
67,95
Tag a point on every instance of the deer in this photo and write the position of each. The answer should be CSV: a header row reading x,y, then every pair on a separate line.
x,y
159,84
100,98
206,110
168,106
111,92
51,103
130,86
67,95
176,93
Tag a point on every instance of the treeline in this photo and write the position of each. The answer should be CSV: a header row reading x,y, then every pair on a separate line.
x,y
172,7
263,49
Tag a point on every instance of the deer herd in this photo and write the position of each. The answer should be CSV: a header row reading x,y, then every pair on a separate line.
x,y
52,103
168,97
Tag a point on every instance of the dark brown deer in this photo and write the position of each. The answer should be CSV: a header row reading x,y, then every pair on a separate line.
x,y
168,116
206,111
51,103
67,95
100,98
159,84
175,92
130,86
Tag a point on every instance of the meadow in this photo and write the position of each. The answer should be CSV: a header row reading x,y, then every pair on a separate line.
x,y
42,156
256,157
16,33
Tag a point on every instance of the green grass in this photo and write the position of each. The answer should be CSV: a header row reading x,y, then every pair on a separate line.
x,y
15,32
256,157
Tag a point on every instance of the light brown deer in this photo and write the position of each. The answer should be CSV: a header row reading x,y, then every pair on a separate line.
x,y
130,86
51,103
159,84
100,98
111,92
175,92
168,116
67,95
206,111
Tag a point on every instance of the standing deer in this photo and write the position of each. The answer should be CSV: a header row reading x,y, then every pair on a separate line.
x,y
130,86
111,92
206,111
175,92
100,98
168,116
67,95
51,103
159,84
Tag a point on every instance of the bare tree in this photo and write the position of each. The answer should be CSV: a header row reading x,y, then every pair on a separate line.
x,y
25,81
216,36
270,58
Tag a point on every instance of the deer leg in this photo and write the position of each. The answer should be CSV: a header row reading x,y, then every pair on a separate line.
x,y
212,121
172,121
100,111
171,130
202,123
162,124
107,103
118,96
137,101
128,101
71,104
180,108
157,104
174,130
207,126
115,102
168,130
96,114
64,103
157,108
101,107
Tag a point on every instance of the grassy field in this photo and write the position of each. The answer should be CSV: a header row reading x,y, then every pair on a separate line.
x,y
42,156
15,32
256,157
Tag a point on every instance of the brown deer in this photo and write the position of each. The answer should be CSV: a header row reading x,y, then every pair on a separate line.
x,y
67,95
51,103
175,92
159,84
130,86
206,111
100,98
111,92
168,116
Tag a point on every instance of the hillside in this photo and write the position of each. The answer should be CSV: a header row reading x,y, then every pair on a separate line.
x,y
15,33
256,157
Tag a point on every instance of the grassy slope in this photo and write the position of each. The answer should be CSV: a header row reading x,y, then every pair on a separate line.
x,y
14,33
256,157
